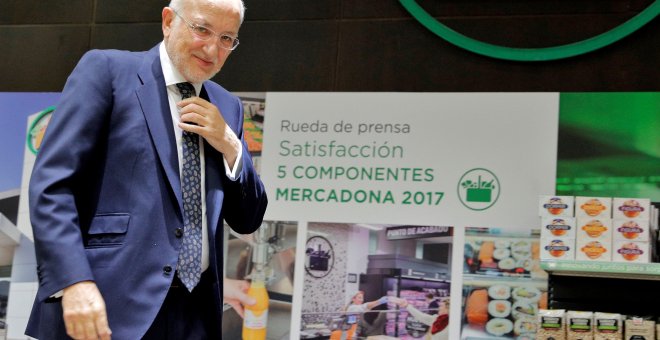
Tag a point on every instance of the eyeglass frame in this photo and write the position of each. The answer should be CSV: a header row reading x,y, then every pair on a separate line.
x,y
194,27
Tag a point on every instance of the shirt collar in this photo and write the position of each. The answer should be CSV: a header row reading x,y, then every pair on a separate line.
x,y
171,74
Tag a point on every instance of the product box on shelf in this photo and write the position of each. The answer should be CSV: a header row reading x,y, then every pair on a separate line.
x,y
594,229
631,229
579,325
630,251
631,208
639,328
593,250
552,324
558,227
596,207
608,326
556,206
557,249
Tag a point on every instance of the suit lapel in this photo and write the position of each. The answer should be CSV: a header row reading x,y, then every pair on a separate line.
x,y
225,106
152,96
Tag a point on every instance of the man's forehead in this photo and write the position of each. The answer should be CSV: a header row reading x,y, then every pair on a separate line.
x,y
215,14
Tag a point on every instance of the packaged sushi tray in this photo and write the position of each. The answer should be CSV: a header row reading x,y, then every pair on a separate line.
x,y
504,310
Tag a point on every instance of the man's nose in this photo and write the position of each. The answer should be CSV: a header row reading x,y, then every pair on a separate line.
x,y
211,47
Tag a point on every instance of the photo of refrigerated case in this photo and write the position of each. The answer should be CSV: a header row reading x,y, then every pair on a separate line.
x,y
366,281
424,294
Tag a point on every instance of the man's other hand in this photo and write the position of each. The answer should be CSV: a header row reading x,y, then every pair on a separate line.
x,y
84,312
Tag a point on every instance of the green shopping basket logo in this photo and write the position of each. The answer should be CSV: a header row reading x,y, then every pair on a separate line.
x,y
478,189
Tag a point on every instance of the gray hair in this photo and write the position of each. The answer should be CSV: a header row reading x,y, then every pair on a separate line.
x,y
179,5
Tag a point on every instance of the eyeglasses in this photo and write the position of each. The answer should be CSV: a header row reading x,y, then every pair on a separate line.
x,y
226,41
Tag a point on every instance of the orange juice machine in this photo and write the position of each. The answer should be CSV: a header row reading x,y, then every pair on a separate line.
x,y
265,258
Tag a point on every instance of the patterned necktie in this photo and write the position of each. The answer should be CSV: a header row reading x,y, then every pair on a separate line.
x,y
189,267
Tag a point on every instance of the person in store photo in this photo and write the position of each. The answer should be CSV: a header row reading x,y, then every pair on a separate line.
x,y
355,309
438,322
433,302
143,159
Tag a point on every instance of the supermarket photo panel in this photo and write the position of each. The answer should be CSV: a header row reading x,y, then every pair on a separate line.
x,y
372,281
503,284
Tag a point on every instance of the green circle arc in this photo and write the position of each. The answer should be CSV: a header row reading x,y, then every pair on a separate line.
x,y
531,54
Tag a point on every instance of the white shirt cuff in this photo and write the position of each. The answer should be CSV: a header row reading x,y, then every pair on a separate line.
x,y
238,166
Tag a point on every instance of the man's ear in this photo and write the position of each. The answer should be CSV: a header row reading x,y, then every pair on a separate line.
x,y
168,18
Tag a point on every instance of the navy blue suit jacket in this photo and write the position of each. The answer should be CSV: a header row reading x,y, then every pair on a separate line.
x,y
105,192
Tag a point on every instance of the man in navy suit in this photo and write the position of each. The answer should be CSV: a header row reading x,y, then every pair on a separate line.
x,y
108,192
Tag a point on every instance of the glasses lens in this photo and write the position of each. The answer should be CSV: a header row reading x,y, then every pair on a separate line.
x,y
202,32
227,41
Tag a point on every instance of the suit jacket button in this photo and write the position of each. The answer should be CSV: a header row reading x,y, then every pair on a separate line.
x,y
178,232
167,269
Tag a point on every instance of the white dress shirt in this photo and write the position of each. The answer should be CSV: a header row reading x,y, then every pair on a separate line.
x,y
173,77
